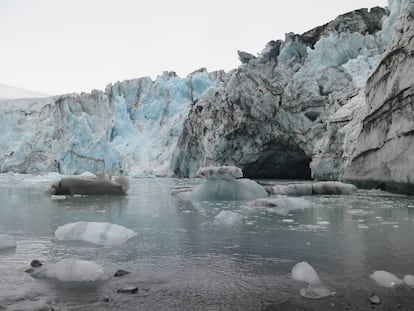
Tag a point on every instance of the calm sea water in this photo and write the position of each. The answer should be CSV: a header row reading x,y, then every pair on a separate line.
x,y
181,260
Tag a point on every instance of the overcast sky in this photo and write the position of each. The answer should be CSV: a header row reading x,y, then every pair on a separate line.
x,y
64,46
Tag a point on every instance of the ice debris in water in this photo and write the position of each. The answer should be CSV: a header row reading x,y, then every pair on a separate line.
x,y
101,233
386,279
221,184
7,241
228,189
409,280
316,292
304,272
224,172
75,270
228,218
318,188
281,205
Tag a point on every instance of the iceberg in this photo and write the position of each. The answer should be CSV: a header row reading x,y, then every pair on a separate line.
x,y
88,184
228,218
409,280
223,172
304,272
6,242
228,189
386,279
101,233
75,270
316,188
221,184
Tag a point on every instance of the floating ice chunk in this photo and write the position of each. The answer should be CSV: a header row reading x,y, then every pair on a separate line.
x,y
385,279
101,233
90,185
409,280
318,188
316,292
7,241
74,270
55,197
228,218
292,189
323,223
224,172
333,187
281,205
228,189
304,272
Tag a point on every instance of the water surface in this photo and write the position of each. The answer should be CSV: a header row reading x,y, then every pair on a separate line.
x,y
181,260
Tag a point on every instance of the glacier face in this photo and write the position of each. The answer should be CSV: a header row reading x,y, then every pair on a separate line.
x,y
134,125
384,150
268,115
300,108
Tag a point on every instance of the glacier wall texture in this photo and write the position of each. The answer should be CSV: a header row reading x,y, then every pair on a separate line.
x,y
301,108
134,125
384,150
268,115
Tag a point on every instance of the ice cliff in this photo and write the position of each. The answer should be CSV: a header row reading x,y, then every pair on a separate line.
x,y
133,125
301,108
384,150
268,115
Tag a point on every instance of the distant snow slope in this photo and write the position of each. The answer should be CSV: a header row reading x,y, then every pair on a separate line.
x,y
11,92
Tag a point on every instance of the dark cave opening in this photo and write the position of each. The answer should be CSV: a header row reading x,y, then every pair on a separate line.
x,y
289,163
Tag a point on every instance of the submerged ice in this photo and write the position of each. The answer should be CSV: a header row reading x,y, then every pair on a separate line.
x,y
101,233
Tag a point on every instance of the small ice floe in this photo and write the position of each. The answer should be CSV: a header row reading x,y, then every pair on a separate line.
x,y
55,197
288,221
75,270
386,279
225,183
228,218
7,242
304,272
281,205
101,233
323,223
91,184
409,280
317,188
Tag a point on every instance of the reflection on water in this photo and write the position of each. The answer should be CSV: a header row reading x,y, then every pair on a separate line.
x,y
181,260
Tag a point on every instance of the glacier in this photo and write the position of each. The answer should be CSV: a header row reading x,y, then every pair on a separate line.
x,y
308,106
132,126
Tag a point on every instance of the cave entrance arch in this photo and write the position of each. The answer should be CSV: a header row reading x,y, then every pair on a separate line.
x,y
283,163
